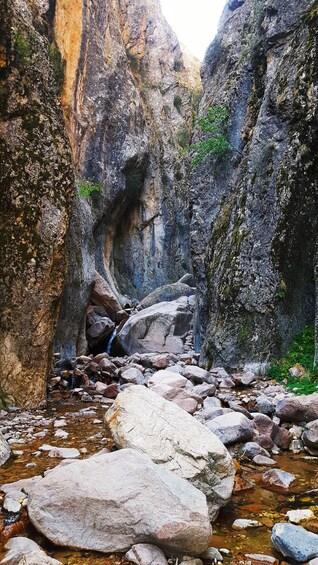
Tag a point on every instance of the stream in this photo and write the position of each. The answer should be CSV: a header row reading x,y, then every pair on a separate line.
x,y
86,433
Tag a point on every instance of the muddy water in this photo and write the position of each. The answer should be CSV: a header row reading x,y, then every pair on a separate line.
x,y
251,500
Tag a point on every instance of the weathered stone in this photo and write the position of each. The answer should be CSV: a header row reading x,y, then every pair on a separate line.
x,y
278,478
295,542
160,328
260,559
5,450
251,449
310,435
198,375
99,331
143,420
262,460
132,375
242,524
146,554
297,516
298,408
167,293
204,390
168,378
111,502
24,551
231,428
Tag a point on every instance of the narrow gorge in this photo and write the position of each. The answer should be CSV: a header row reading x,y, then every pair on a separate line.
x,y
159,264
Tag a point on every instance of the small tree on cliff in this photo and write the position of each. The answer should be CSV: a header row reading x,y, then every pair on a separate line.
x,y
214,142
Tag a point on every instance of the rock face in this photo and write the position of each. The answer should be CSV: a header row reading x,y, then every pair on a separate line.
x,y
110,502
254,221
37,180
142,420
159,328
129,97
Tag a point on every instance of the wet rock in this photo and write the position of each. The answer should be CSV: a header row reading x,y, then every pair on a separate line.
x,y
167,293
295,542
278,478
266,461
297,516
260,559
146,554
106,365
114,501
64,452
24,551
213,554
5,450
169,378
231,428
242,524
143,420
264,405
160,328
99,332
298,408
310,435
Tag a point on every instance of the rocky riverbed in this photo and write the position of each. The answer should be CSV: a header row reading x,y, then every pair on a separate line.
x,y
164,406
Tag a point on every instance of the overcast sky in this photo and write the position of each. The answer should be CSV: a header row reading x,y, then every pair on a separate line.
x,y
194,21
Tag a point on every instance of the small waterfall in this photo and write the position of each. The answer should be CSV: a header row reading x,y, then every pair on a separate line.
x,y
111,339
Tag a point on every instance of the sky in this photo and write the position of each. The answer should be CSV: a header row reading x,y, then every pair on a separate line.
x,y
194,21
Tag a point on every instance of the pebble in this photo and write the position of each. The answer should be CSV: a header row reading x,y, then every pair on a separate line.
x,y
297,516
243,524
262,460
278,478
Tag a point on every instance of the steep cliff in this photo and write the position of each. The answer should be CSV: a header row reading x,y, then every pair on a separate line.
x,y
129,97
254,210
36,191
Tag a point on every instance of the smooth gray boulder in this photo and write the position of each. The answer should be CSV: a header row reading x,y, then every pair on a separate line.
x,y
161,328
231,428
5,450
24,551
143,420
295,542
167,293
111,502
146,554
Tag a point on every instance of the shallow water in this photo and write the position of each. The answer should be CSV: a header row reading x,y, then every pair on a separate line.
x,y
264,505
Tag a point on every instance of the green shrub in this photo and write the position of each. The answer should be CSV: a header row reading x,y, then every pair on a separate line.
x,y
300,354
86,187
213,128
21,48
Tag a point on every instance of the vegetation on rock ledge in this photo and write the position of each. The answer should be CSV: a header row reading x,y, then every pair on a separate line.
x,y
301,356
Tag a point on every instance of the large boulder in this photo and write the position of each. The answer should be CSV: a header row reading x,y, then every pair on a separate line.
x,y
167,293
310,435
110,502
5,451
99,331
298,408
160,328
295,542
142,420
102,295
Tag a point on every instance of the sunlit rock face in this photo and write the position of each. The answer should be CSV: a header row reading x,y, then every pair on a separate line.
x,y
129,97
254,212
37,185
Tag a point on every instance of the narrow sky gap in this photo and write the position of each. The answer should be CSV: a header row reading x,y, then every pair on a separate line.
x,y
194,21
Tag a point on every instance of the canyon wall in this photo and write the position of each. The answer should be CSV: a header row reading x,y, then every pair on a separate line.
x,y
254,210
37,186
129,97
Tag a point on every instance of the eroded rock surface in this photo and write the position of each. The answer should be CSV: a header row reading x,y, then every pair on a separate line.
x,y
141,419
110,502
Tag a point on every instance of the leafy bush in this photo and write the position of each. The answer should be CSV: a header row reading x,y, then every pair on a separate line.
x,y
86,187
214,129
301,355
